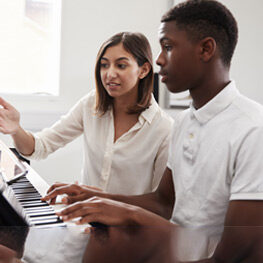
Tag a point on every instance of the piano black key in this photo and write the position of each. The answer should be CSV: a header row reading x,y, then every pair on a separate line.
x,y
28,200
30,205
35,205
50,223
41,214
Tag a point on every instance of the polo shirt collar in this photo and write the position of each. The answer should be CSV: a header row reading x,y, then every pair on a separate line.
x,y
221,101
149,113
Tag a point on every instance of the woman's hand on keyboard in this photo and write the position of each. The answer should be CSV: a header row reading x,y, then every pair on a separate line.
x,y
73,192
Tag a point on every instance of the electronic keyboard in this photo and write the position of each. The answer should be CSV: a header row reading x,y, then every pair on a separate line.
x,y
24,199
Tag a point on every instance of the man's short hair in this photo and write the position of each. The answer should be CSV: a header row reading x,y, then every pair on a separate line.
x,y
206,18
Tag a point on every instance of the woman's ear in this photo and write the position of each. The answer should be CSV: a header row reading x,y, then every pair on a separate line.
x,y
145,69
207,48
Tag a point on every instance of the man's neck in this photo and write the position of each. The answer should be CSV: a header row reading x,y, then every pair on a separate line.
x,y
210,87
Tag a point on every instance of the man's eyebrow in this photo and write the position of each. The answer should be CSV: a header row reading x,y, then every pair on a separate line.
x,y
164,39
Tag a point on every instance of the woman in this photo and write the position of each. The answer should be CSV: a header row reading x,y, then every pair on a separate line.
x,y
125,132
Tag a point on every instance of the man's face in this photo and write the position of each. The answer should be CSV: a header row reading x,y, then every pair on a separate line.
x,y
178,59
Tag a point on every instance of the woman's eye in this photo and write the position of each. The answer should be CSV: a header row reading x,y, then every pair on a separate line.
x,y
122,66
104,65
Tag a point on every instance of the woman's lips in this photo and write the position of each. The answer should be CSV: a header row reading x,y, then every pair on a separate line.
x,y
112,85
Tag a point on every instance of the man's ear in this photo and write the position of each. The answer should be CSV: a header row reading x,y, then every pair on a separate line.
x,y
207,48
145,69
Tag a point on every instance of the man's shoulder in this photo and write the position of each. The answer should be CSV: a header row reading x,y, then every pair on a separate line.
x,y
249,110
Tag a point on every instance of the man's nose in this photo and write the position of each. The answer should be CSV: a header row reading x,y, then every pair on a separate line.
x,y
159,59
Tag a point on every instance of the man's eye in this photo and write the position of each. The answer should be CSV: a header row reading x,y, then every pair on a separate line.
x,y
168,48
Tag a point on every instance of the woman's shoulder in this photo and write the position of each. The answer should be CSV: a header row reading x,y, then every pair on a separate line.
x,y
89,99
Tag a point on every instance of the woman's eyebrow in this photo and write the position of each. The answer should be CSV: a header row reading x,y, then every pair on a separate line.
x,y
118,59
104,59
122,58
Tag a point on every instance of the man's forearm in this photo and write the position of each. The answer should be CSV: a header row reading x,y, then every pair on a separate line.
x,y
151,202
160,202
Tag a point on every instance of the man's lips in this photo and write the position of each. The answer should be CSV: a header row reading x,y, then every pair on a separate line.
x,y
163,76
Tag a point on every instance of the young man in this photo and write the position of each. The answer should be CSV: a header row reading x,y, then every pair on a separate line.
x,y
213,179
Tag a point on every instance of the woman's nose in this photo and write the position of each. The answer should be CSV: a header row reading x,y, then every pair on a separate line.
x,y
111,73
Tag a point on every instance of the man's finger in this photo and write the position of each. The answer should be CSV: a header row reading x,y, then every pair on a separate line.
x,y
53,201
77,213
74,198
67,189
70,209
82,208
53,194
55,185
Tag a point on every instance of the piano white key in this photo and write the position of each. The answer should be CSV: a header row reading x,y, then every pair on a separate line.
x,y
29,194
35,209
60,224
25,203
50,218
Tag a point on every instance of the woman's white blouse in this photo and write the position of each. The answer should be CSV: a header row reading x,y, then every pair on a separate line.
x,y
134,164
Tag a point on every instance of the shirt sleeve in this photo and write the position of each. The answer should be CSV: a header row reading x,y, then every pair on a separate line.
x,y
62,132
247,183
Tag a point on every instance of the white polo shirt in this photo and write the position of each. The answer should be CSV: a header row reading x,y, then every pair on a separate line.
x,y
216,155
134,164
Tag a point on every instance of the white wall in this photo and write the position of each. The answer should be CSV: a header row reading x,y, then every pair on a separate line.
x,y
86,25
247,69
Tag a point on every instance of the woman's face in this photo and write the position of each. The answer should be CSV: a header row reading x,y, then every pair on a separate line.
x,y
120,73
